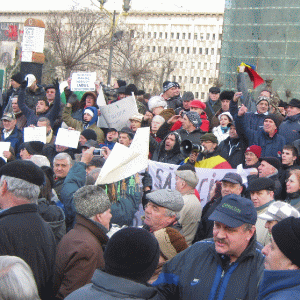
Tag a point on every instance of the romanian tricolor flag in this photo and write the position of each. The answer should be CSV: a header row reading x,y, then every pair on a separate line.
x,y
255,78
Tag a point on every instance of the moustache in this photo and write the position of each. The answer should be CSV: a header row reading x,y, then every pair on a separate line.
x,y
222,241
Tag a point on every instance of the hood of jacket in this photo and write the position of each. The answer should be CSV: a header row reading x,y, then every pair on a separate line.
x,y
94,118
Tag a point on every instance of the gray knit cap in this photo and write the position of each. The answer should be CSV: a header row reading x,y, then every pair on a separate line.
x,y
194,118
167,198
91,200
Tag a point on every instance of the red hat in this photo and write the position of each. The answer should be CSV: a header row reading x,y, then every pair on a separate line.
x,y
197,103
255,149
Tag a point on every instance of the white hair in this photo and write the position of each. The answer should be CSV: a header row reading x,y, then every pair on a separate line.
x,y
61,156
16,280
21,188
40,160
159,119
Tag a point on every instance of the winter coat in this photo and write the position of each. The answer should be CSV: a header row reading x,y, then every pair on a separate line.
x,y
262,233
79,254
294,200
78,125
271,146
32,97
211,110
193,136
200,272
174,102
233,150
32,117
15,139
109,287
221,136
290,128
280,285
25,234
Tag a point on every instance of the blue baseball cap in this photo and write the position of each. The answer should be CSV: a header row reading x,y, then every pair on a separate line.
x,y
234,211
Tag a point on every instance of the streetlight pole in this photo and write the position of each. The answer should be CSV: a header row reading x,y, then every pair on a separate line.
x,y
114,22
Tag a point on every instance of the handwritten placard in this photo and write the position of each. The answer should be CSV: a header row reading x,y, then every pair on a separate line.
x,y
67,138
83,81
4,146
35,134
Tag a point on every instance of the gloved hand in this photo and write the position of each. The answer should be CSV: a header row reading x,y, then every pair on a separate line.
x,y
56,84
147,180
24,84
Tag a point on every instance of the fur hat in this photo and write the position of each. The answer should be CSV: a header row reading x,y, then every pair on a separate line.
x,y
156,101
226,95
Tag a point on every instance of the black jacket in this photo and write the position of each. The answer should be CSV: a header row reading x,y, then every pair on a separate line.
x,y
25,234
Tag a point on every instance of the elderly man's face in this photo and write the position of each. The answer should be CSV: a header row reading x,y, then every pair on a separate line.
x,y
225,104
15,106
262,107
250,158
134,125
50,94
156,218
231,241
275,259
265,169
61,168
262,197
209,146
230,188
9,125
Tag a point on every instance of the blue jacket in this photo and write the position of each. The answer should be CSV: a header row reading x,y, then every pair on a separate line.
x,y
197,273
270,146
15,139
280,285
107,144
253,120
290,128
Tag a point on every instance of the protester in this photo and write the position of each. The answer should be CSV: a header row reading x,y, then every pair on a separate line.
x,y
213,104
293,189
222,131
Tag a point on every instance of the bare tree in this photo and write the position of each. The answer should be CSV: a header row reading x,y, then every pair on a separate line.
x,y
76,38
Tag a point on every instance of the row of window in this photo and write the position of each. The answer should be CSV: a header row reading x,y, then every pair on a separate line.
x,y
196,80
184,36
184,50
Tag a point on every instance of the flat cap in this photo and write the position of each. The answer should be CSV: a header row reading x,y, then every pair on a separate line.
x,y
167,198
189,177
209,137
233,178
261,183
214,90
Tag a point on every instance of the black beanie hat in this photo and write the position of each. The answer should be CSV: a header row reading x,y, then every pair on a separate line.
x,y
24,169
89,134
121,82
18,77
132,253
275,118
33,147
286,235
131,88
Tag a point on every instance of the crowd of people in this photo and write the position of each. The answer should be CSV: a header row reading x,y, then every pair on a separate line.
x,y
62,236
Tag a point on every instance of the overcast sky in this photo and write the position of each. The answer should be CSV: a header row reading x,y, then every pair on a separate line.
x,y
142,5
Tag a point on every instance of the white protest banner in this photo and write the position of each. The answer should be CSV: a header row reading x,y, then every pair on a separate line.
x,y
67,138
4,146
116,115
83,81
33,39
35,134
163,176
123,161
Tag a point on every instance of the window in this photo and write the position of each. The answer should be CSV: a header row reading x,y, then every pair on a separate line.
x,y
176,50
180,78
183,36
202,95
153,49
213,36
212,51
160,35
194,50
165,49
149,35
203,80
193,65
185,79
195,36
220,36
166,35
148,48
196,95
199,65
218,66
190,36
219,51
154,35
206,51
181,64
159,49
171,49
198,81
174,78
132,34
172,35
207,36
210,81
200,50
178,36
205,66
201,36
192,80
188,50
175,63
182,49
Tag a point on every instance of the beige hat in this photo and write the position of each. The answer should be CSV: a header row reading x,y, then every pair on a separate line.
x,y
136,117
171,242
189,177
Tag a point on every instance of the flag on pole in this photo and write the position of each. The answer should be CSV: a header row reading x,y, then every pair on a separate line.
x,y
254,77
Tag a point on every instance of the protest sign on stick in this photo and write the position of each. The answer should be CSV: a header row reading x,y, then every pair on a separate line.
x,y
83,81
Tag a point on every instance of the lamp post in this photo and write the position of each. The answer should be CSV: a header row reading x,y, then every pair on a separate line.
x,y
114,22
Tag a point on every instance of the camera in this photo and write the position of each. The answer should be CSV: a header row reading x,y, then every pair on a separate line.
x,y
98,151
186,147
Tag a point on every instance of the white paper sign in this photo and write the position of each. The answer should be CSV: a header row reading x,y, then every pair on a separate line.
x,y
26,56
33,39
163,176
116,115
4,146
83,81
123,161
35,134
67,138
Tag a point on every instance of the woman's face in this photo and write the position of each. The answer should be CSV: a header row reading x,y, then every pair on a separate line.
x,y
292,184
224,120
89,101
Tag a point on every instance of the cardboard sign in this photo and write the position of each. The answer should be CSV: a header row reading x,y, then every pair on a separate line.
x,y
67,138
4,146
35,134
83,81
